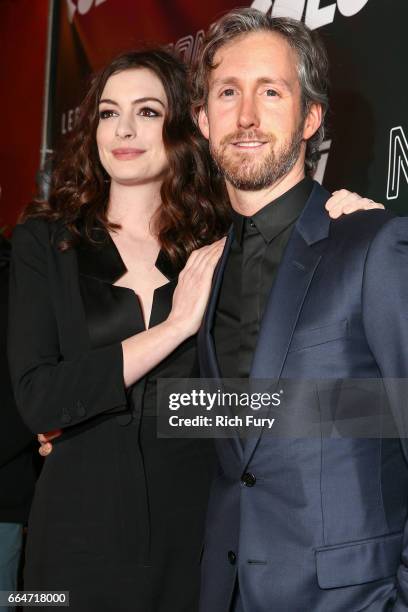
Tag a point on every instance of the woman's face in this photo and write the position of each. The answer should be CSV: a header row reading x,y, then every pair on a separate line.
x,y
129,133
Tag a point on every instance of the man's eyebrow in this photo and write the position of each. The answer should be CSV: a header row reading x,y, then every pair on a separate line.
x,y
275,81
137,101
225,81
261,81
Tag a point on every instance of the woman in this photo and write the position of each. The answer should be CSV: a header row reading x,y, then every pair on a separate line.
x,y
118,514
97,315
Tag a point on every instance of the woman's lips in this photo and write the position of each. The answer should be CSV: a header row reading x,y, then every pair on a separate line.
x,y
125,154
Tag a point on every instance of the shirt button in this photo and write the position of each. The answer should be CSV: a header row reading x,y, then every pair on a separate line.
x,y
251,223
232,557
248,479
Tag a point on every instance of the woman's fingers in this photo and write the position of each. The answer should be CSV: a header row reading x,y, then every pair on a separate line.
x,y
191,294
199,255
345,202
207,260
200,261
45,449
49,435
44,439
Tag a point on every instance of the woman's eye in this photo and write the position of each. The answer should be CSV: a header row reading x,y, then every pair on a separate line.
x,y
105,114
148,112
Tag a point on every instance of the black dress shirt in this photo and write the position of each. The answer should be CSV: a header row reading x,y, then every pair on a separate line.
x,y
256,251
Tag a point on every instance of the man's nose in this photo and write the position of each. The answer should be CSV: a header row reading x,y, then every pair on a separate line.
x,y
248,113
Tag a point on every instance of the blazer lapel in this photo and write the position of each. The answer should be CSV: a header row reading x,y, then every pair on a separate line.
x,y
296,270
208,359
112,312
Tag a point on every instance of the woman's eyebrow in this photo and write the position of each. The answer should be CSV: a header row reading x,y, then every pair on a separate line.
x,y
137,101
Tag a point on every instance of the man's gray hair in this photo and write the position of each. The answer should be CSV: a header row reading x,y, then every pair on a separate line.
x,y
312,65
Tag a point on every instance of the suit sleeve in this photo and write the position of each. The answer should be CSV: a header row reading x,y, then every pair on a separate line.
x,y
50,391
385,312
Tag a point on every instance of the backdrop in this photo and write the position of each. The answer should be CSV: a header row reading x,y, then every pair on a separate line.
x,y
367,145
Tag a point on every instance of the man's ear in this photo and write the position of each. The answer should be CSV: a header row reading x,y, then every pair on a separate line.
x,y
313,121
203,122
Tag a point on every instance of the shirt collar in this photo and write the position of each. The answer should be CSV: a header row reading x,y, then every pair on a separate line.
x,y
277,215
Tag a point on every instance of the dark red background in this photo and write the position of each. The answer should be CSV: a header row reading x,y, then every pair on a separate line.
x,y
23,33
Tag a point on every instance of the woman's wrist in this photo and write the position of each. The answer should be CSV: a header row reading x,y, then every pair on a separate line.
x,y
178,328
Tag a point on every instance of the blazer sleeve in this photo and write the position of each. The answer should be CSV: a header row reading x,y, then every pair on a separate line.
x,y
15,437
385,315
50,391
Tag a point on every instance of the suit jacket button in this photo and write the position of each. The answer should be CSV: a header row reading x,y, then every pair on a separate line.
x,y
248,479
66,418
124,419
232,557
81,412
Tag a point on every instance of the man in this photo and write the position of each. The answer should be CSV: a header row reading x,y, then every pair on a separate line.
x,y
297,525
17,470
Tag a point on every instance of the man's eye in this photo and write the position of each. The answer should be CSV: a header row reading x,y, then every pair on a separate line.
x,y
105,114
148,112
271,92
228,92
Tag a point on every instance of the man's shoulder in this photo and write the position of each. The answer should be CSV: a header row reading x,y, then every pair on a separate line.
x,y
361,226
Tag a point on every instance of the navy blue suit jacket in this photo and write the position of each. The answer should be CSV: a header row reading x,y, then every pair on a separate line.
x,y
322,529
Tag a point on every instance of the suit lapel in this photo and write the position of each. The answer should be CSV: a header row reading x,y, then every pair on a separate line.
x,y
295,274
206,346
208,358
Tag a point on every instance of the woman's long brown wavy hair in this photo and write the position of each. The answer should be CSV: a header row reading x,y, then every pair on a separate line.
x,y
194,209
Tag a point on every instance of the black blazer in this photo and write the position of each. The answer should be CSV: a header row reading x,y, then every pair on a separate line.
x,y
17,471
59,379
118,512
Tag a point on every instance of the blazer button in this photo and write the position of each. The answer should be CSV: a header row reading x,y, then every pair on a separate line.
x,y
81,412
248,479
124,419
232,557
66,418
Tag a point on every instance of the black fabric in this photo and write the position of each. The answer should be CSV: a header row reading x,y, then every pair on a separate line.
x,y
17,469
256,251
118,514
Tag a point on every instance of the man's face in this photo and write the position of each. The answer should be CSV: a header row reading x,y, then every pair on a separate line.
x,y
254,120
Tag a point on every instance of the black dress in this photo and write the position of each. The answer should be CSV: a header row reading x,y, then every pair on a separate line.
x,y
118,513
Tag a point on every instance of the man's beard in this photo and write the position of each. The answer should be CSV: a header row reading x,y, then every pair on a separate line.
x,y
247,174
